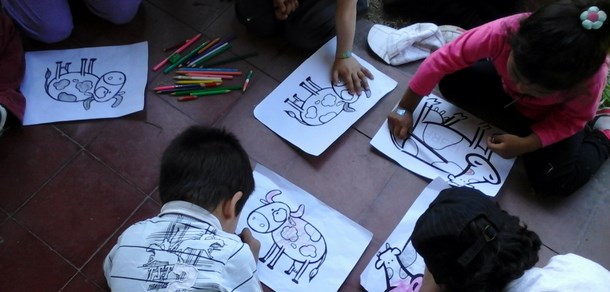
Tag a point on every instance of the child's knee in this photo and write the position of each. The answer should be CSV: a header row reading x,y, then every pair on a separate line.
x,y
555,183
257,16
117,12
51,31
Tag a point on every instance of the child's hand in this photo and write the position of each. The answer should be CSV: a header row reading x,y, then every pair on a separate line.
x,y
400,125
354,76
255,245
283,8
509,146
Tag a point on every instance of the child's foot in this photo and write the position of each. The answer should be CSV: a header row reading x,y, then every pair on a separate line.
x,y
3,117
602,121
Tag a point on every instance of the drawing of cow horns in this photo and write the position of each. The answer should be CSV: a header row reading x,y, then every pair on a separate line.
x,y
271,194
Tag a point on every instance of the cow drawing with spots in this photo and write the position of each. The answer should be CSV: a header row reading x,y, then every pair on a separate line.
x,y
292,236
323,104
83,85
396,264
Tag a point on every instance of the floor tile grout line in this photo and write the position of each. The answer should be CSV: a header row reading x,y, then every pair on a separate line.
x,y
46,244
44,184
107,240
118,173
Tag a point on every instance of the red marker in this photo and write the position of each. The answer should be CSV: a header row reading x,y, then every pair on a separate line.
x,y
187,98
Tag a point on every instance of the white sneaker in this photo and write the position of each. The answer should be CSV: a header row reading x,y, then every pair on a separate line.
x,y
450,32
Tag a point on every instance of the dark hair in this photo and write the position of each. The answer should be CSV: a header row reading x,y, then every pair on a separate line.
x,y
514,250
552,48
471,244
205,166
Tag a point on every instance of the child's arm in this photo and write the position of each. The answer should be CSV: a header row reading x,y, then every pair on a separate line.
x,y
253,243
346,68
509,146
429,285
401,123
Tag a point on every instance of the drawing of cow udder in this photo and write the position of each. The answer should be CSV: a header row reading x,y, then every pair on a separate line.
x,y
321,106
84,86
293,237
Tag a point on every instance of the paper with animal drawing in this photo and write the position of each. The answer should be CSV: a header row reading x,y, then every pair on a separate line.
x,y
85,83
449,142
305,244
396,266
310,112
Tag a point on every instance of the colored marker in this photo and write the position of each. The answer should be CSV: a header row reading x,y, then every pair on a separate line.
x,y
211,54
187,98
210,69
175,46
198,94
183,86
201,90
211,92
178,51
197,78
195,81
228,73
247,81
183,59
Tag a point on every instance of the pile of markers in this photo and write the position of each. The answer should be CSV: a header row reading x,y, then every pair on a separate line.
x,y
191,79
191,83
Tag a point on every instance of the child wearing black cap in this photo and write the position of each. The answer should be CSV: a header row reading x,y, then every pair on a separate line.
x,y
470,244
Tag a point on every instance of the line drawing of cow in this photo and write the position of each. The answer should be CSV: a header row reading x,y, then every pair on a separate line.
x,y
83,85
395,264
435,138
292,236
323,104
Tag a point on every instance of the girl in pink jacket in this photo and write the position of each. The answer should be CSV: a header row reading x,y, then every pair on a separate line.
x,y
539,77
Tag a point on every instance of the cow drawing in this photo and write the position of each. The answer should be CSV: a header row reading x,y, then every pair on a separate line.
x,y
292,236
83,85
395,264
323,104
435,137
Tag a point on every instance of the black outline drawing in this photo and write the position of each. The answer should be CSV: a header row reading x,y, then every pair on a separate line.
x,y
476,168
323,104
395,263
83,85
173,264
292,236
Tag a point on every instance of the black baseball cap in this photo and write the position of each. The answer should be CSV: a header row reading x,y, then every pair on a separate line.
x,y
440,235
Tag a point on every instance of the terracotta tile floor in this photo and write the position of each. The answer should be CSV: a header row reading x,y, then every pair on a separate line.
x,y
68,189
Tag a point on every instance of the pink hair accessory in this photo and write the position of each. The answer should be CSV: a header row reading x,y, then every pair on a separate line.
x,y
593,18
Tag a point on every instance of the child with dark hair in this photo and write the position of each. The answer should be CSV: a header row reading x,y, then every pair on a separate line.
x,y
538,76
470,244
206,179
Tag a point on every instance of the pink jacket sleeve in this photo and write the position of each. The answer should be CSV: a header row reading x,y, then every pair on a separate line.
x,y
486,41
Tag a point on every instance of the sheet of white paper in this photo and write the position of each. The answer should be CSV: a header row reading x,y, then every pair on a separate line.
x,y
83,84
305,245
447,142
310,112
396,265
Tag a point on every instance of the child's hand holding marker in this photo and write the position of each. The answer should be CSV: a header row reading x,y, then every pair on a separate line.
x,y
510,146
